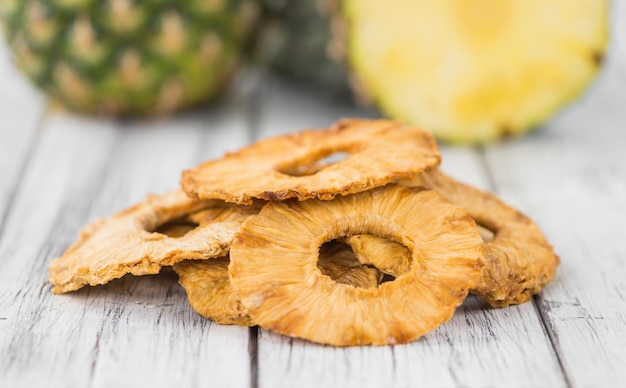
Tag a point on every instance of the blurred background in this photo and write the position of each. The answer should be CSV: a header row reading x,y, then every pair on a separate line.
x,y
471,72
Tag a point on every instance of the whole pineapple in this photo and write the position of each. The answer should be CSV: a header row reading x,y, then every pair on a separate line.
x,y
128,56
469,71
304,39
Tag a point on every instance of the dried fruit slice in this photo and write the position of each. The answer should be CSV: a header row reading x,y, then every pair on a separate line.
x,y
130,241
519,261
210,293
274,266
379,151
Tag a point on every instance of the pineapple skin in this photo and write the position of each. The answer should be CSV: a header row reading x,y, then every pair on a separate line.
x,y
128,57
305,40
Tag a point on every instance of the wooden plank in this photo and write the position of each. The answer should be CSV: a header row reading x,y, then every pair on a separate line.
x,y
478,347
21,108
571,177
617,37
134,331
288,107
206,353
42,335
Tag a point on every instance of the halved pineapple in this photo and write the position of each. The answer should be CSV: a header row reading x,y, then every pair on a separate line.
x,y
128,57
474,70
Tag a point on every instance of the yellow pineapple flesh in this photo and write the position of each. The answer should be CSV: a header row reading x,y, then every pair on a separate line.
x,y
472,71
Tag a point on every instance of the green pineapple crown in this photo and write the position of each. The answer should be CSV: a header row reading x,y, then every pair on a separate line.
x,y
128,56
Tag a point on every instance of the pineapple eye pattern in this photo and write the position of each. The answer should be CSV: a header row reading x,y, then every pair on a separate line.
x,y
129,57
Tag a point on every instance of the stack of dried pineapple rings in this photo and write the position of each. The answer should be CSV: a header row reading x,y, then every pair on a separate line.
x,y
378,248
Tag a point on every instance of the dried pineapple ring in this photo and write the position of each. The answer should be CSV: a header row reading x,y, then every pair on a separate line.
x,y
274,266
211,295
125,243
380,152
519,261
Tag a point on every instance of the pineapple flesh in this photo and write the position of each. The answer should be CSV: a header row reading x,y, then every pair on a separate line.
x,y
472,71
128,56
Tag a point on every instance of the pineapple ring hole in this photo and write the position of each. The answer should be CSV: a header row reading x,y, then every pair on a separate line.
x,y
176,228
387,278
486,233
338,261
311,166
388,269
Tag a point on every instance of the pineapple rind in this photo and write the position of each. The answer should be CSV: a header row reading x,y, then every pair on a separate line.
x,y
127,56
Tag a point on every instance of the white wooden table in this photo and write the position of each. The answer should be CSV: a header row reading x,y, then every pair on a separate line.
x,y
59,171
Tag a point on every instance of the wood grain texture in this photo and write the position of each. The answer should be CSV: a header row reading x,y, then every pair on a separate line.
x,y
20,114
135,331
571,177
285,107
575,186
478,347
618,31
